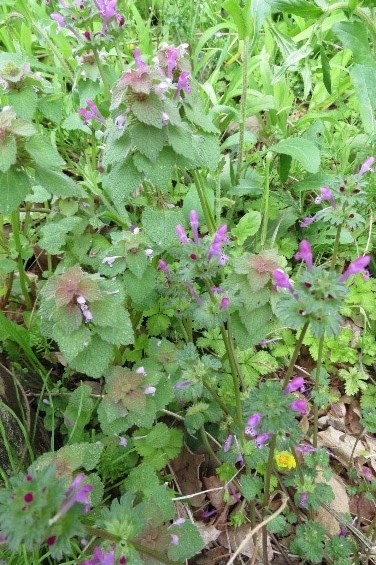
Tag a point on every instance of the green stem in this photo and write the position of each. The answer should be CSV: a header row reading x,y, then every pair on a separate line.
x,y
295,354
217,398
267,479
265,218
106,86
243,109
207,445
335,248
317,389
21,271
209,218
235,379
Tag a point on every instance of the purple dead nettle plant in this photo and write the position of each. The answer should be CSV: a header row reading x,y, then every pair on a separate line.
x,y
91,113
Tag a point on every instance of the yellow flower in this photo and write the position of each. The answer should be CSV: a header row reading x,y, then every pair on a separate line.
x,y
285,460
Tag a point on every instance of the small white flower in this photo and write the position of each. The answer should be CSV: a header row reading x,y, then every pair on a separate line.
x,y
110,260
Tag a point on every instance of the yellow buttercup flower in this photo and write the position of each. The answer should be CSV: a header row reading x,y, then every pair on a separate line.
x,y
284,460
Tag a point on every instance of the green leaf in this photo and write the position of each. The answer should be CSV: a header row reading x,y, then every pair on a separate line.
x,y
51,107
240,16
14,186
303,150
8,153
160,226
121,181
247,226
73,456
73,342
54,235
325,67
364,80
42,151
78,412
142,295
95,359
303,8
190,543
24,102
206,150
354,37
148,140
284,166
57,183
180,139
158,324
160,175
260,10
149,111
158,445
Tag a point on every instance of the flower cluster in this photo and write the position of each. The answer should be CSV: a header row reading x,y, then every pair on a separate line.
x,y
251,431
316,297
101,557
91,112
344,200
76,13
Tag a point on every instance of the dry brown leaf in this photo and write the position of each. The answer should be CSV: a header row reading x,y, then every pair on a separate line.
x,y
363,508
340,504
233,537
340,444
353,418
186,468
216,496
211,557
208,532
371,448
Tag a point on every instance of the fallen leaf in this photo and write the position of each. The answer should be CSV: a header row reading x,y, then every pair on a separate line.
x,y
186,468
341,445
340,504
363,508
233,537
208,532
353,418
211,557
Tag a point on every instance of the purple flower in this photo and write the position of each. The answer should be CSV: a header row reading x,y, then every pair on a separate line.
x,y
181,234
123,442
107,11
254,419
137,59
29,497
59,19
295,384
81,301
304,253
367,165
174,539
250,431
367,474
220,238
299,405
355,267
183,384
228,443
303,500
327,194
225,302
193,220
101,558
183,84
281,280
172,55
305,448
150,390
110,260
208,513
162,266
91,113
261,439
307,222
77,492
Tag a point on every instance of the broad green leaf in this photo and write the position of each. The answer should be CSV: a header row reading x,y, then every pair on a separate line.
x,y
364,80
24,102
180,139
73,342
78,412
121,181
148,140
354,36
14,186
240,16
42,151
8,153
54,234
51,107
95,359
206,150
260,10
160,175
247,226
303,150
73,456
303,8
116,148
57,183
190,542
160,226
149,111
284,166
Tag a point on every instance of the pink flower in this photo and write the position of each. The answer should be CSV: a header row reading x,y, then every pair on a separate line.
x,y
327,194
355,267
304,253
261,440
162,266
220,238
299,405
183,84
295,384
59,19
281,280
307,222
303,500
228,443
137,58
181,234
254,419
91,112
77,492
224,303
193,220
367,165
101,558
